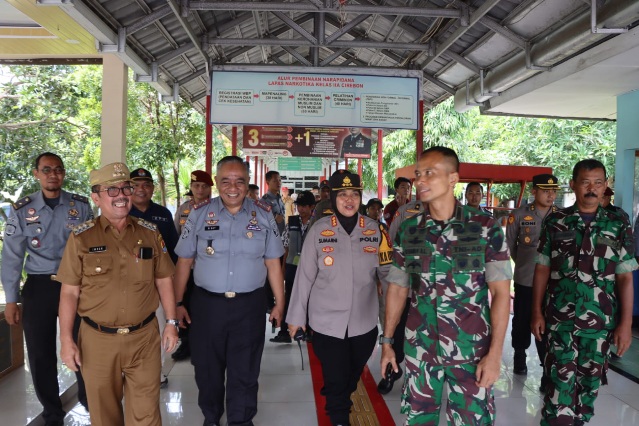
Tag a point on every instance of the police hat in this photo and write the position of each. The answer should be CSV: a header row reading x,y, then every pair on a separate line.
x,y
375,201
324,184
545,181
343,179
201,176
305,198
110,174
141,174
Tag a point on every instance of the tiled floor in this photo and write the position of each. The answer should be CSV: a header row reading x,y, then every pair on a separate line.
x,y
286,394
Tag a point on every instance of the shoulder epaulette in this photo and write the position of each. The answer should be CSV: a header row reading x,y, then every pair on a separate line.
x,y
146,224
81,198
327,211
261,204
83,226
22,202
201,204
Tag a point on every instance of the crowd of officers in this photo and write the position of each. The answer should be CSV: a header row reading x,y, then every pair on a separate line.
x,y
434,273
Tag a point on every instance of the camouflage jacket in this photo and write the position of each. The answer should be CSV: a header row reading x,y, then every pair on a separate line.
x,y
448,266
583,261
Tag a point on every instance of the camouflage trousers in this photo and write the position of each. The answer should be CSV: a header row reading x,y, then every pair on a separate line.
x,y
423,389
576,367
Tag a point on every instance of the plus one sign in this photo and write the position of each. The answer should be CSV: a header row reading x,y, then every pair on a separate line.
x,y
298,138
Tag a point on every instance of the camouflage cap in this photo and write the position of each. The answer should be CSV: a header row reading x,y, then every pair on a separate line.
x,y
110,174
343,179
545,181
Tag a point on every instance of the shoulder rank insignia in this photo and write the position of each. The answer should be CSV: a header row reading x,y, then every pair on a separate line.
x,y
333,221
511,219
80,198
149,225
264,206
22,202
327,211
201,204
83,226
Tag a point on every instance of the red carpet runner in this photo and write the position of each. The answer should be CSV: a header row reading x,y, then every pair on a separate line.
x,y
366,391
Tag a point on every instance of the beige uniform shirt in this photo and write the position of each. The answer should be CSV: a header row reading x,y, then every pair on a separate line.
x,y
116,272
336,278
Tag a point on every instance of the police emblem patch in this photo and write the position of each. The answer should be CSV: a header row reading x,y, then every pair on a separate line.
x,y
369,232
370,249
328,261
327,249
327,233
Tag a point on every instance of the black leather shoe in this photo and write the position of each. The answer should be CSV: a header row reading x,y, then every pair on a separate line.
x,y
385,386
281,338
183,352
519,365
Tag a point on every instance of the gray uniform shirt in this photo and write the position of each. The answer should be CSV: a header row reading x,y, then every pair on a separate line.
x,y
336,280
238,243
277,207
406,211
522,237
41,232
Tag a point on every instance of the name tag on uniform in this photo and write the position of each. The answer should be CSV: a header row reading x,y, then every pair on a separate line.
x,y
607,242
159,219
565,235
212,228
97,249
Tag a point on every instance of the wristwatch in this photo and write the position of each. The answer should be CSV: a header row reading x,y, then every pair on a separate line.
x,y
180,303
387,340
174,322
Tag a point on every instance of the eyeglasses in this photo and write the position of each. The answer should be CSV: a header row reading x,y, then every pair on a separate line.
x,y
48,170
114,191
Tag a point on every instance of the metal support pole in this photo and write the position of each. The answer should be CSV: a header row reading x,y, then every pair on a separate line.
x,y
234,140
359,167
380,160
419,143
208,162
255,171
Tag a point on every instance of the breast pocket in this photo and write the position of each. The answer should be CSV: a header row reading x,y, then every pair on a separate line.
x,y
562,256
254,243
97,269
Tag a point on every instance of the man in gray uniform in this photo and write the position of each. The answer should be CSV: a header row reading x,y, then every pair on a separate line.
x,y
39,225
235,244
274,201
522,237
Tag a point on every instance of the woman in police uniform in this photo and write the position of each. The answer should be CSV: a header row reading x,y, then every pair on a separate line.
x,y
336,283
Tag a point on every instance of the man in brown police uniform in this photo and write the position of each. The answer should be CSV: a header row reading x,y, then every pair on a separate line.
x,y
114,271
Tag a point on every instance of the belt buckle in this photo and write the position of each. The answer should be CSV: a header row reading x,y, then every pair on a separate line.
x,y
123,330
229,294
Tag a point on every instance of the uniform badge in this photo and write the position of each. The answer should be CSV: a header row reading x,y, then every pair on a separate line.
x,y
35,242
71,203
210,250
369,232
527,239
211,214
31,211
327,249
249,234
370,249
328,261
211,222
361,222
9,230
511,219
97,249
253,226
186,211
73,212
32,219
528,217
327,233
333,221
182,221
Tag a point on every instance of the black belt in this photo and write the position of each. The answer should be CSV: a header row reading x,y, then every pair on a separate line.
x,y
118,330
229,294
47,277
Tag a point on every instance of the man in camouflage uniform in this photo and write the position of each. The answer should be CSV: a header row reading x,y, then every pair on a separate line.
x,y
451,256
522,236
583,277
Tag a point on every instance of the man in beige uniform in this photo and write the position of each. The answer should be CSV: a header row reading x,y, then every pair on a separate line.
x,y
112,272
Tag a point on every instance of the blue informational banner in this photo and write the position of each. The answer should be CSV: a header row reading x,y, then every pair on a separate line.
x,y
310,99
